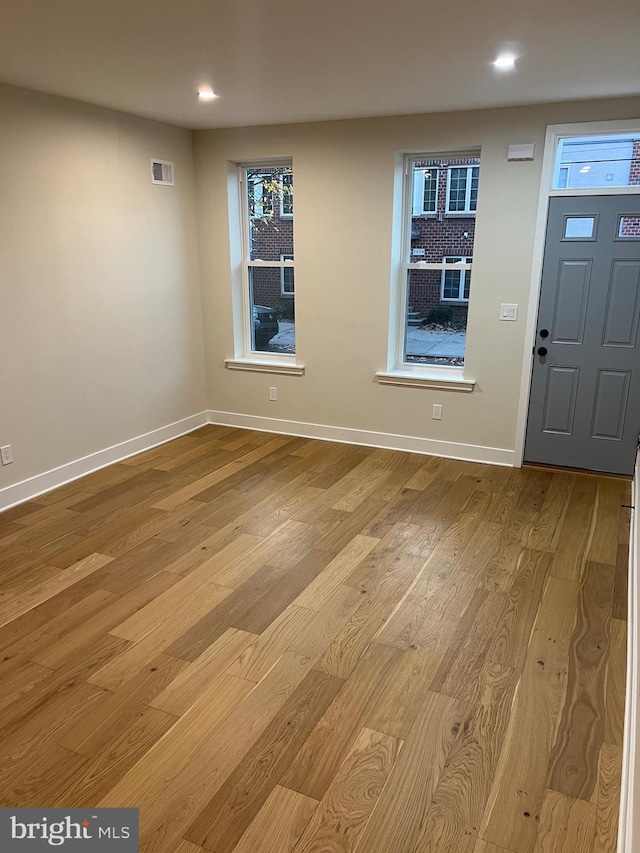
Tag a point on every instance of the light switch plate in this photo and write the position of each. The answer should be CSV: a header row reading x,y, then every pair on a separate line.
x,y
509,311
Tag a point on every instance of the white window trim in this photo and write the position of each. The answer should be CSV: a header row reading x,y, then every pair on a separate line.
x,y
398,371
461,266
418,183
467,193
246,358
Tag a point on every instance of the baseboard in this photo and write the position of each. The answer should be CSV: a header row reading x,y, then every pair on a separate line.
x,y
28,489
368,438
629,824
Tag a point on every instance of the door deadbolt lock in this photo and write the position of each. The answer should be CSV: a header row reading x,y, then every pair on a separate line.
x,y
544,333
542,351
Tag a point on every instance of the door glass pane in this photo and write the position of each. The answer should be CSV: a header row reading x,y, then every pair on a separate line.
x,y
629,227
579,227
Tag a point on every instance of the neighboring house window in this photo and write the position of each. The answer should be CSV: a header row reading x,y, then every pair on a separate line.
x,y
267,255
286,195
462,189
456,283
286,277
425,190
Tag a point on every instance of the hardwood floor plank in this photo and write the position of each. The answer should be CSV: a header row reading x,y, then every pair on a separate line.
x,y
115,712
607,799
114,674
61,649
397,818
341,817
101,773
570,555
515,801
400,699
185,689
318,760
615,685
621,585
14,606
453,818
223,821
156,768
509,645
279,824
257,658
336,572
573,766
603,545
567,825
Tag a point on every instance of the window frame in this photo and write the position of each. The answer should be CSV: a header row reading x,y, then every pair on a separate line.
x,y
467,212
462,266
245,357
398,371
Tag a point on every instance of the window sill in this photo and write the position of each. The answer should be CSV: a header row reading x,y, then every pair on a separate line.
x,y
436,379
265,366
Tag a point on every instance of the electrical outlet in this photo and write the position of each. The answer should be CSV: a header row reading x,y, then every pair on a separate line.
x,y
436,413
273,394
6,453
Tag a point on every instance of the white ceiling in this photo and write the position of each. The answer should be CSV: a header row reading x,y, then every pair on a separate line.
x,y
276,61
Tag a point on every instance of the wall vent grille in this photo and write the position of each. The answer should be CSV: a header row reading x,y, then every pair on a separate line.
x,y
162,173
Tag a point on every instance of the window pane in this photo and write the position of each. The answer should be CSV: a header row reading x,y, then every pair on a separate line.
x,y
436,304
435,332
269,205
598,161
629,227
269,234
579,227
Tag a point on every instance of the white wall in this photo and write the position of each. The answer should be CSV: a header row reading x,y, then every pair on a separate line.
x,y
344,181
101,334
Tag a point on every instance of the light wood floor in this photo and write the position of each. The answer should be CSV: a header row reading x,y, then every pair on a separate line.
x,y
270,644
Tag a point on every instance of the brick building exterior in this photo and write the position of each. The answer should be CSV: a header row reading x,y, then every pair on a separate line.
x,y
271,225
442,233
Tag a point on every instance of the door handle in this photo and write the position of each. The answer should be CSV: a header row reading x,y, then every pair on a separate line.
x,y
542,351
544,333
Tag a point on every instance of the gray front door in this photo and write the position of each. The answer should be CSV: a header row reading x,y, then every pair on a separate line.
x,y
584,407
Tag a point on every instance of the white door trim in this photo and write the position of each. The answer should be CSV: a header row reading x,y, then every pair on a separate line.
x,y
554,133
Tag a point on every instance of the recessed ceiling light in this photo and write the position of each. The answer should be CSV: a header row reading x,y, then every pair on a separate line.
x,y
206,94
505,61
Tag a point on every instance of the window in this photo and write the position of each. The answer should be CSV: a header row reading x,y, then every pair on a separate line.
x,y
434,276
601,161
268,255
286,277
456,283
425,189
462,189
